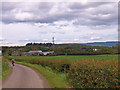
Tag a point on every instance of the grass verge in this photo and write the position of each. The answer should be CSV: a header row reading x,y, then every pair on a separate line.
x,y
56,80
5,68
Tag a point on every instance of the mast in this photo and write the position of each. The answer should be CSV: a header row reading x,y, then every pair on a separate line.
x,y
53,40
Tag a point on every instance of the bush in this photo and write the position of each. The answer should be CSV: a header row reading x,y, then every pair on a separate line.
x,y
51,54
5,67
94,74
83,73
59,65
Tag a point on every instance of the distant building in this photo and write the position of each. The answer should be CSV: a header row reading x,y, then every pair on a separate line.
x,y
96,49
36,53
46,53
39,51
15,53
26,54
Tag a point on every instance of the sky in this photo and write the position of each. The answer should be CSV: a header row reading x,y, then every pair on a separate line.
x,y
67,22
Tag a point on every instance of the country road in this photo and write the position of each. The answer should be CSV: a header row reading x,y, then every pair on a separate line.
x,y
24,77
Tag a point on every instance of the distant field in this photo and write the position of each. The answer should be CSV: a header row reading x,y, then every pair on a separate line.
x,y
74,58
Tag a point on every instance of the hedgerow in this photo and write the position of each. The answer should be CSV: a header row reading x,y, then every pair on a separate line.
x,y
59,65
83,73
94,74
5,68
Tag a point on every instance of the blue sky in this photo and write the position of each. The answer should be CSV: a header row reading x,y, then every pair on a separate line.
x,y
68,22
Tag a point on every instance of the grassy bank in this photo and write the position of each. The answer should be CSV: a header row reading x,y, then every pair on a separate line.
x,y
5,68
0,68
55,79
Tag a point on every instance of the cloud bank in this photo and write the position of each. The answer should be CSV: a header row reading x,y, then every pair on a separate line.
x,y
71,21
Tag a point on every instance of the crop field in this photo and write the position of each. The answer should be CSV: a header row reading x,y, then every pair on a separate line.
x,y
73,57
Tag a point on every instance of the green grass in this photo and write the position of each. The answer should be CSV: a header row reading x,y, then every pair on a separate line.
x,y
0,68
5,68
56,80
74,58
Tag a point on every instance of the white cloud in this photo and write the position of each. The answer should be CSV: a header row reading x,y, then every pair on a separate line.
x,y
76,39
41,24
46,40
103,16
90,41
25,40
2,39
61,22
23,16
91,33
95,38
9,44
90,9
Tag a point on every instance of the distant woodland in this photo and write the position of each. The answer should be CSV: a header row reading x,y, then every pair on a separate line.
x,y
63,49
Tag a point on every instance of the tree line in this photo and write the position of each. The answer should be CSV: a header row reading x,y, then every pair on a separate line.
x,y
63,49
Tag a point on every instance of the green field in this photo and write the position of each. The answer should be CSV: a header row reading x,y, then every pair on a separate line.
x,y
74,58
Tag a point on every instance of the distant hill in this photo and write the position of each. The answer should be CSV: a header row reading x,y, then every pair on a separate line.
x,y
107,44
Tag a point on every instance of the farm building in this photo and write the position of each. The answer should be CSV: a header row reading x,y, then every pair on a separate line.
x,y
15,53
45,53
96,49
26,54
37,53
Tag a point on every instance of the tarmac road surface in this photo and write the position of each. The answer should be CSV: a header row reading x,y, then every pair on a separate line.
x,y
24,77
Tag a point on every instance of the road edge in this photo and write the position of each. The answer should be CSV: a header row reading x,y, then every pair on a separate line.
x,y
4,80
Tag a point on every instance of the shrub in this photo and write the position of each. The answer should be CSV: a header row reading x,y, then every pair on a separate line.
x,y
5,67
94,74
59,65
83,73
